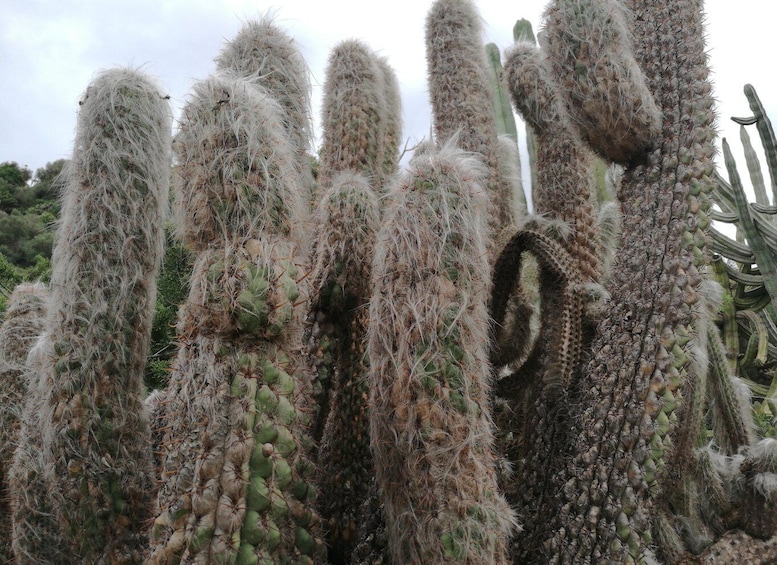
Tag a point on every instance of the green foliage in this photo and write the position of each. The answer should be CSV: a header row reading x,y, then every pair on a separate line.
x,y
172,290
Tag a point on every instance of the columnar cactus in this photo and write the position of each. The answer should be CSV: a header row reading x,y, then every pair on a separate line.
x,y
103,290
265,54
37,537
346,225
430,420
361,102
338,378
462,104
21,327
641,359
391,140
236,486
355,115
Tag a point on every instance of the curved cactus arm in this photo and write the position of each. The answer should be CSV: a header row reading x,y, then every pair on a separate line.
x,y
724,217
766,132
765,227
722,195
759,336
761,209
761,251
721,243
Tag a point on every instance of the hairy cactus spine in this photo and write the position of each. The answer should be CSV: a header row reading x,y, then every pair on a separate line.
x,y
429,375
103,290
236,487
21,327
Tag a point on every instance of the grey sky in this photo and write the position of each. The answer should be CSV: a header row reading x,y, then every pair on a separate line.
x,y
51,49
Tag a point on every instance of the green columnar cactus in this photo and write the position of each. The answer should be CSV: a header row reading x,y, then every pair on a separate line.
x,y
504,111
590,57
346,226
103,290
21,327
508,155
236,486
462,104
354,115
645,342
265,54
429,376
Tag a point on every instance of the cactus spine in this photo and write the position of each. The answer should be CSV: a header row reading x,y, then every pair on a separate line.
x,y
103,290
429,376
239,489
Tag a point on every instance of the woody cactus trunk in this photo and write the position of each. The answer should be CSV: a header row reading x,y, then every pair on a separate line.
x,y
361,376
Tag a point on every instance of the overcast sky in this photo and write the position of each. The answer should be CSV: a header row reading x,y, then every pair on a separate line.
x,y
51,49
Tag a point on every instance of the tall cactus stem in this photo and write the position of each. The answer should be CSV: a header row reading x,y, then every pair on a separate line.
x,y
238,486
21,327
462,104
103,290
429,377
354,114
266,55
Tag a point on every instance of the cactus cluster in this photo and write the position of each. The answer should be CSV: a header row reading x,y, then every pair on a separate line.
x,y
382,364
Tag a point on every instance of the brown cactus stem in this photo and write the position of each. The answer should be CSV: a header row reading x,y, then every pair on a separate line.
x,y
354,114
346,225
622,459
604,91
